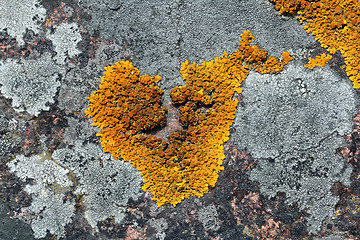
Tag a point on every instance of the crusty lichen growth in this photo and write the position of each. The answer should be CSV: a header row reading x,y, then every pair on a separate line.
x,y
335,24
126,105
65,40
31,84
319,61
50,209
18,16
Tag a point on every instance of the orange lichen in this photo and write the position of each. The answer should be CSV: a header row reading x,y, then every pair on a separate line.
x,y
126,106
335,24
126,102
287,6
319,61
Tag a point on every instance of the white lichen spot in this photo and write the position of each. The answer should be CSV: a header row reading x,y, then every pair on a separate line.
x,y
208,217
17,16
106,184
50,210
65,39
31,84
160,225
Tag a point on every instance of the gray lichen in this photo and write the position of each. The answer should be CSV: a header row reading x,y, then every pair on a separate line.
x,y
208,217
53,211
78,130
65,39
292,110
9,138
160,225
107,184
306,176
44,172
79,83
292,123
49,210
31,84
17,16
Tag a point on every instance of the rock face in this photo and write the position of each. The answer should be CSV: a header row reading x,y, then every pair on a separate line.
x,y
56,181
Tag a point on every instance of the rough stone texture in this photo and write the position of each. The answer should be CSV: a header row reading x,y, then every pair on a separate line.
x,y
65,39
108,184
31,84
297,119
339,236
13,228
17,16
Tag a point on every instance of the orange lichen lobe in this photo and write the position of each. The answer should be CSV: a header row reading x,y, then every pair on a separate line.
x,y
287,6
126,101
335,25
127,106
319,61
